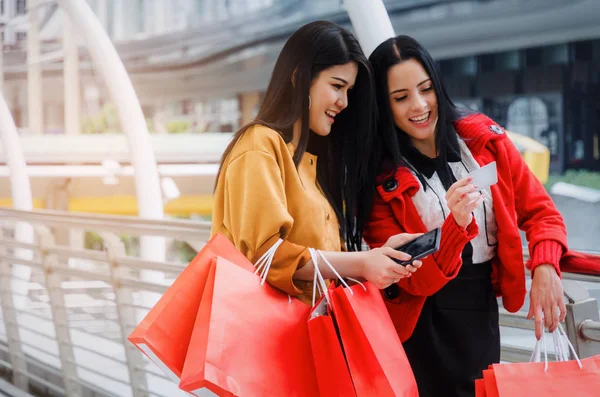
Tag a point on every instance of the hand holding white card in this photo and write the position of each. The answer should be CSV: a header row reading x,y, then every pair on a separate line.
x,y
485,176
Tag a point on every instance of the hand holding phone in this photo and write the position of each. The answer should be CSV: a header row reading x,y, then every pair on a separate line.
x,y
420,247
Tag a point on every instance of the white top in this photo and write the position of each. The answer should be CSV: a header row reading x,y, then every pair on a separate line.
x,y
429,204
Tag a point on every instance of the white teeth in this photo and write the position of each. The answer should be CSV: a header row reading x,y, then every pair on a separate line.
x,y
330,114
421,119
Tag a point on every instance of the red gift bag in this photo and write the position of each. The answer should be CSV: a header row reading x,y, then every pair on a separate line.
x,y
480,388
489,381
561,379
249,339
332,370
164,334
378,365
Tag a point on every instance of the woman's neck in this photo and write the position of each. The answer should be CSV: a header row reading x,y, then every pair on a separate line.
x,y
296,132
426,147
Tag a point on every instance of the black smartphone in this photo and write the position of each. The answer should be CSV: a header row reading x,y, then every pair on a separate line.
x,y
421,247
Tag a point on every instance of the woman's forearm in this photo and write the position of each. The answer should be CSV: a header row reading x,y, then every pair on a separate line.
x,y
347,264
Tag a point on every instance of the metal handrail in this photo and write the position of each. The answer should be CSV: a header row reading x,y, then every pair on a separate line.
x,y
179,229
590,330
114,268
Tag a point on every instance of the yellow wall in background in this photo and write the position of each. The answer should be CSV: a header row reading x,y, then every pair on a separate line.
x,y
7,203
127,205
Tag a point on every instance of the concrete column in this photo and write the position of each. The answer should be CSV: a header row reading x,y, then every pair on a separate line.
x,y
159,13
57,198
21,198
249,102
371,23
34,71
1,65
107,62
54,116
71,79
211,10
76,238
102,13
119,19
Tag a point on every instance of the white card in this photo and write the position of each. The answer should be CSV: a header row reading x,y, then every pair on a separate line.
x,y
485,176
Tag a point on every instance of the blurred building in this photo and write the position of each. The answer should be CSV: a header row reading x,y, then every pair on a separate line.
x,y
201,66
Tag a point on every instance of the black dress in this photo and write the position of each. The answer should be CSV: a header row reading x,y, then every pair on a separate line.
x,y
457,334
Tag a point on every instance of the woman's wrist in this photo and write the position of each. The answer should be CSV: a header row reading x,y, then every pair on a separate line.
x,y
463,223
362,264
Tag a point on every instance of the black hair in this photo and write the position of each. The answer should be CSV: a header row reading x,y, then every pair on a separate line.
x,y
394,142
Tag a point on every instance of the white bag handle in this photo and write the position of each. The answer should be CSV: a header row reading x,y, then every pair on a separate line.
x,y
559,336
571,348
263,264
318,280
344,283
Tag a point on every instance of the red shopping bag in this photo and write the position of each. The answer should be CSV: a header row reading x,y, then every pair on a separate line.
x,y
164,334
249,339
562,379
332,370
489,381
378,365
480,388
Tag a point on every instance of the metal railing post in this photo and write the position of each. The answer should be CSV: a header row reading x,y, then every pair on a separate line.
x,y
581,309
60,317
11,325
126,314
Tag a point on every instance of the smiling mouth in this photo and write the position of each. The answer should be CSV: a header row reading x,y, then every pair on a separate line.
x,y
421,119
331,115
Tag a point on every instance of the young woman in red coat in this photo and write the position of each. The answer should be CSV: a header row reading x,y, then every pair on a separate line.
x,y
446,313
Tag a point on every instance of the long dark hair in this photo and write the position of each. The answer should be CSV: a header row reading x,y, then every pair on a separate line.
x,y
345,170
393,141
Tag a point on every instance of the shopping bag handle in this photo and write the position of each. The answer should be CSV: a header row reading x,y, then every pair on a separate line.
x,y
559,334
319,280
263,264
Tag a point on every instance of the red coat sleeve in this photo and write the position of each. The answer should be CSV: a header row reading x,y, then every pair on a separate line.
x,y
537,215
438,268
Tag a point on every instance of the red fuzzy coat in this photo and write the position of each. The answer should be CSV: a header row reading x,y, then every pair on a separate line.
x,y
520,202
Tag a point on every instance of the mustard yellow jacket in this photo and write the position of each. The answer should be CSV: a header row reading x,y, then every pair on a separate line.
x,y
261,197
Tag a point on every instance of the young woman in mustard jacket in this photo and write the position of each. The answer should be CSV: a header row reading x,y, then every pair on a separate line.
x,y
299,171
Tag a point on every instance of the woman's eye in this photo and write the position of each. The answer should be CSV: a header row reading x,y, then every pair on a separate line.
x,y
338,86
428,89
399,99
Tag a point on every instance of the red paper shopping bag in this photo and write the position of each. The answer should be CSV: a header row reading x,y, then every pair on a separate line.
x,y
164,334
489,381
378,365
562,379
480,388
249,339
332,370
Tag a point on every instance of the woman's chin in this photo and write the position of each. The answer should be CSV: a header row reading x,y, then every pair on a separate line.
x,y
322,131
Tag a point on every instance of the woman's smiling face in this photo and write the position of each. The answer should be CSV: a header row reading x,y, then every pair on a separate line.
x,y
413,101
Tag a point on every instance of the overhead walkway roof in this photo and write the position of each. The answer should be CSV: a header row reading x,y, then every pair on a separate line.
x,y
234,56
